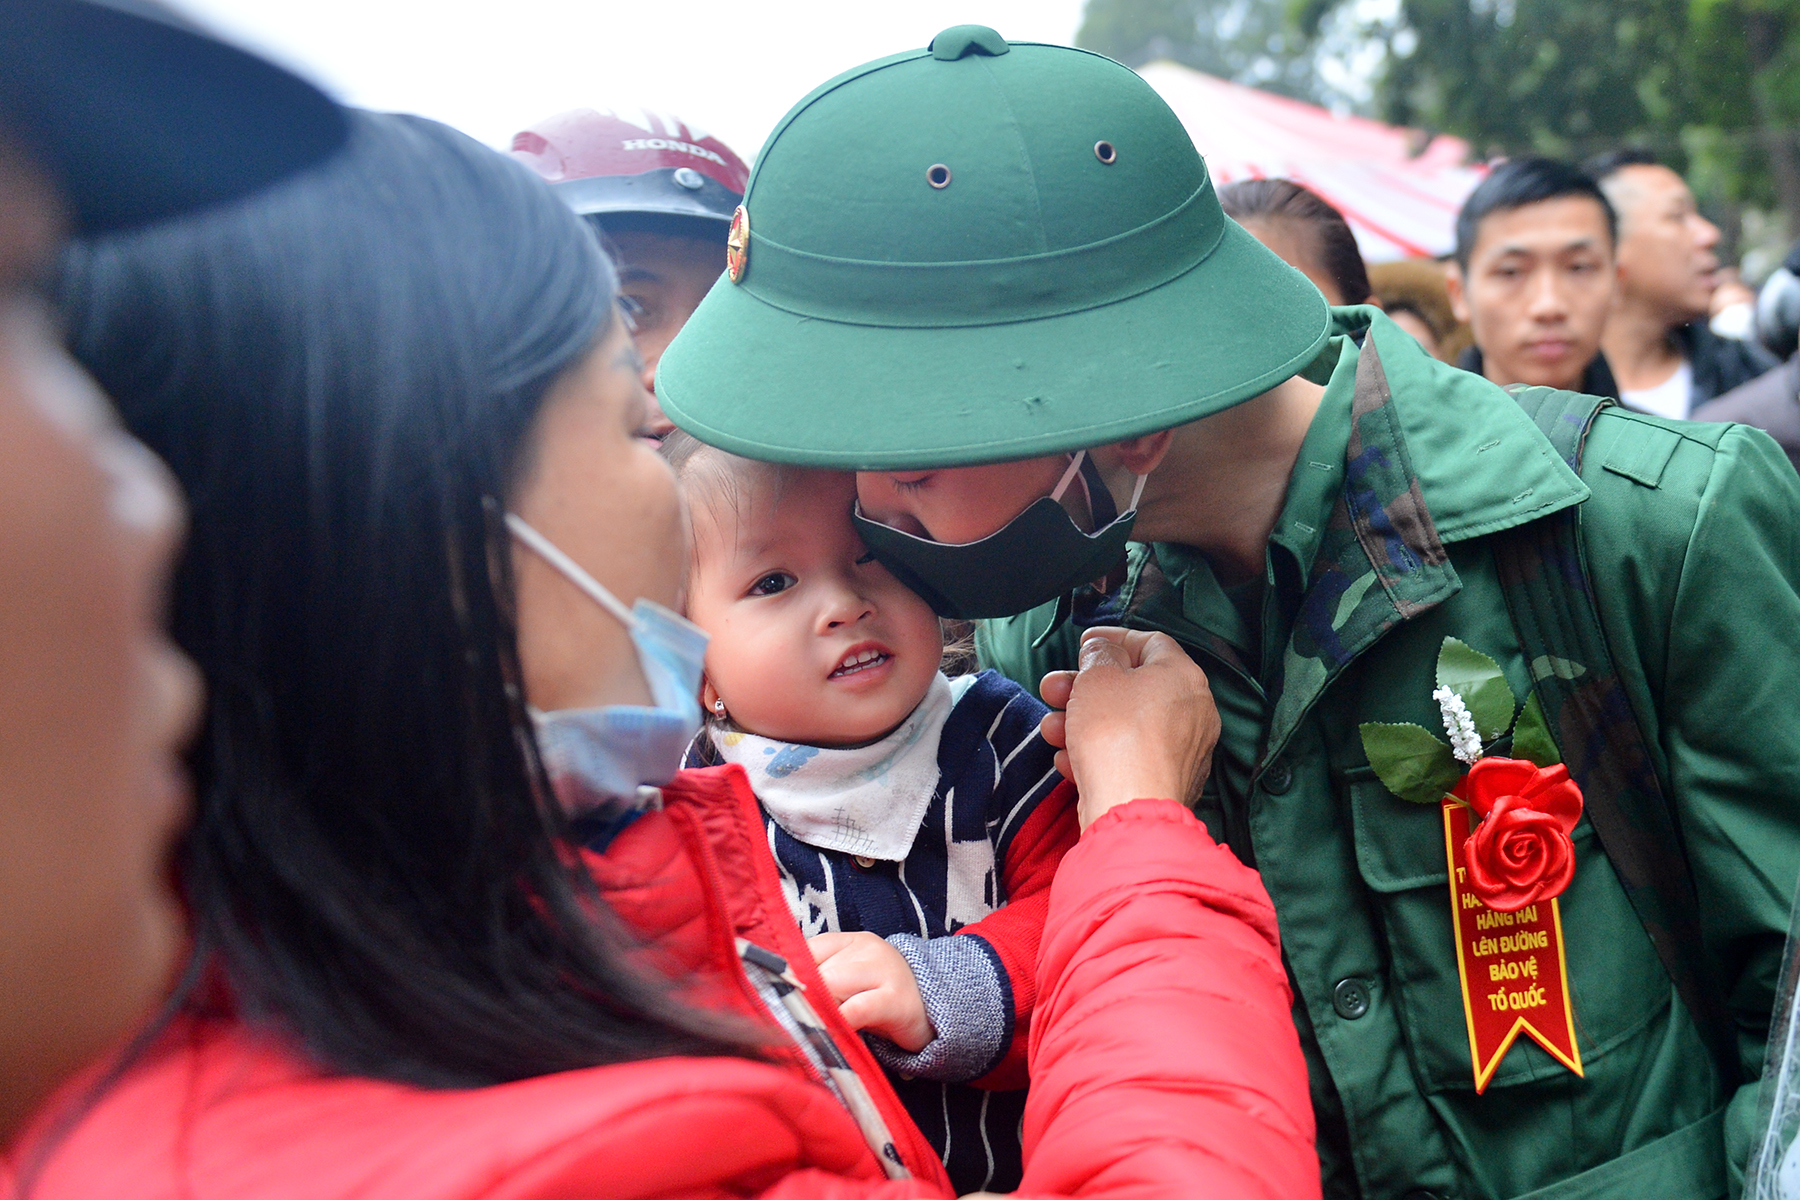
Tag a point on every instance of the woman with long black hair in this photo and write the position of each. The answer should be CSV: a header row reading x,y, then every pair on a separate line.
x,y
426,585
339,376
1305,230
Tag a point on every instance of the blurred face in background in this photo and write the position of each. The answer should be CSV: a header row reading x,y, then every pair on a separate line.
x,y
95,701
1416,325
1537,289
1667,250
662,279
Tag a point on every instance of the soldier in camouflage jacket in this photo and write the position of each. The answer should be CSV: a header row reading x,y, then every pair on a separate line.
x,y
994,278
1383,547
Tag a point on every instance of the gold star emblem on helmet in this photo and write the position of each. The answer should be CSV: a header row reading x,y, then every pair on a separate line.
x,y
737,245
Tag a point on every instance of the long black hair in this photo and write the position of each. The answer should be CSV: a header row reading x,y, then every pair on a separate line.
x,y
342,374
1334,243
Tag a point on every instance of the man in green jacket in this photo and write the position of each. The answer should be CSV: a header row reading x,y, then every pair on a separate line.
x,y
994,279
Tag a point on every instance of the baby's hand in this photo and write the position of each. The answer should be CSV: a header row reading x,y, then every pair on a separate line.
x,y
873,986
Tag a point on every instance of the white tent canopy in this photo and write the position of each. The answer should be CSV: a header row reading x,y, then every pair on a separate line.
x,y
1398,190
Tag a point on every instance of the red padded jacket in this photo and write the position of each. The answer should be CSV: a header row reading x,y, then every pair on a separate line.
x,y
1163,1060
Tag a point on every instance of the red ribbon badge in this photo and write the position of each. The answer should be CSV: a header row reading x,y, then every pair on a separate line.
x,y
1514,979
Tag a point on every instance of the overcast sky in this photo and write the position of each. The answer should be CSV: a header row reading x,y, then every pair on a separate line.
x,y
492,67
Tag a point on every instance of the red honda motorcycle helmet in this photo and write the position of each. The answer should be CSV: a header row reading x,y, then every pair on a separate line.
x,y
635,168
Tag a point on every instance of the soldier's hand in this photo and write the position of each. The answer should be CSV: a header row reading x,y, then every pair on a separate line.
x,y
1137,720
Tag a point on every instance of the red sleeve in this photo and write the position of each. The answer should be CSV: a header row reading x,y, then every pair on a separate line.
x,y
1014,929
1164,1061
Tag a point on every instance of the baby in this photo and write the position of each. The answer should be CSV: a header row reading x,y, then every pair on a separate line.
x,y
916,820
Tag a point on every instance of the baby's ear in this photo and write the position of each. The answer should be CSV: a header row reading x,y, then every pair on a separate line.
x,y
710,700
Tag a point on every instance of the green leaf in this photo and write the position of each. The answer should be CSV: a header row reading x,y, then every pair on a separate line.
x,y
1481,684
1412,763
1531,736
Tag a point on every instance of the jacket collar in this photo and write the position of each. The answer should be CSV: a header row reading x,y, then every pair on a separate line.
x,y
1480,463
1426,455
1405,456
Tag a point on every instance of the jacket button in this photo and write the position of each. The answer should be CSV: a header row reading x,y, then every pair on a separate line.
x,y
1278,778
865,862
1351,998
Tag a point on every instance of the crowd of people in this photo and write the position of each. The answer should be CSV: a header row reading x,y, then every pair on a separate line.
x,y
1602,278
963,660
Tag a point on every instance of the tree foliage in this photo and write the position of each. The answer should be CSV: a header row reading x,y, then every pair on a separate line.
x,y
1712,85
1257,42
1534,74
1743,63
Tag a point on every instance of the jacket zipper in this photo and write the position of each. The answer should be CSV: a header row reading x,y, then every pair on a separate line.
x,y
785,997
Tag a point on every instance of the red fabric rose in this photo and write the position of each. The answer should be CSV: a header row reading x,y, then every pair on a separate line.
x,y
1520,853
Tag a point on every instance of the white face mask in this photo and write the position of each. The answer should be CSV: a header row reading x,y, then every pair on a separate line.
x,y
602,756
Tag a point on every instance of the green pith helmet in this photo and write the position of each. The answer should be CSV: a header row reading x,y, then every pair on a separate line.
x,y
980,252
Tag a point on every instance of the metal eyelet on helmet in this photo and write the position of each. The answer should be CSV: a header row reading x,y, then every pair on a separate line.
x,y
938,176
1105,152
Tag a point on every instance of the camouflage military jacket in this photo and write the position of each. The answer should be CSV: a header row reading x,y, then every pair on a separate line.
x,y
1383,549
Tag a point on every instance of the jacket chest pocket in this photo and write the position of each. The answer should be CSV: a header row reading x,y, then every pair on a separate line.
x,y
1617,984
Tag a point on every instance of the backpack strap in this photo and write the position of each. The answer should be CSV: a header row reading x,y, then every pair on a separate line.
x,y
1543,574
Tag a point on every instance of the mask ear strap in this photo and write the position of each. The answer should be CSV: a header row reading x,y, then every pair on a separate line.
x,y
1137,492
1068,475
570,569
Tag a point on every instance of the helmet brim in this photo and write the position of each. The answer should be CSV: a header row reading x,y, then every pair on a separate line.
x,y
769,384
653,193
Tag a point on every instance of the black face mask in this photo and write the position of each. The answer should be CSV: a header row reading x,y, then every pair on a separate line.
x,y
1039,555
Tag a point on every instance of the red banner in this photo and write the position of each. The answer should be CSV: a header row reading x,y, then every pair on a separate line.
x,y
1514,979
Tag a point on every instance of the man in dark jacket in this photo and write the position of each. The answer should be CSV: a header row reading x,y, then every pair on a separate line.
x,y
1771,401
1534,276
1657,342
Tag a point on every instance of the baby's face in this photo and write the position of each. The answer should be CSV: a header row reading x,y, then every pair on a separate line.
x,y
812,640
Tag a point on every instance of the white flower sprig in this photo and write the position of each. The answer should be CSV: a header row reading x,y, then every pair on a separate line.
x,y
1465,743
